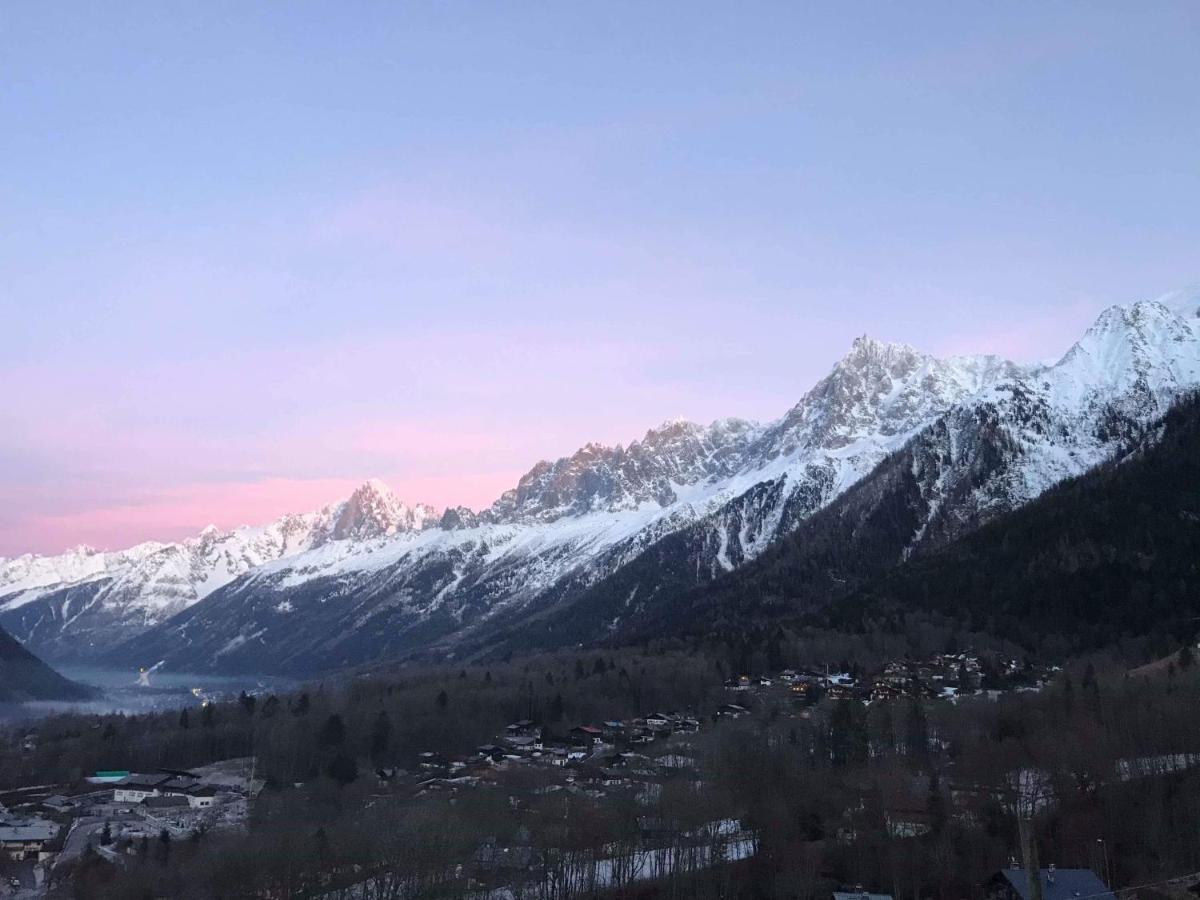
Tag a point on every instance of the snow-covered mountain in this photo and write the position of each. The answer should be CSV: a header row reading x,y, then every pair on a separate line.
x,y
983,434
86,600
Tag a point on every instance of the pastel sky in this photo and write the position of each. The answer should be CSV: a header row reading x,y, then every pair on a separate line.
x,y
254,253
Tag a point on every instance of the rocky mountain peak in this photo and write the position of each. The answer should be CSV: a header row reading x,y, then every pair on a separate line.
x,y
597,477
374,511
456,517
869,353
882,390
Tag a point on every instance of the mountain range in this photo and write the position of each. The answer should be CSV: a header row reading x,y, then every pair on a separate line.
x,y
610,541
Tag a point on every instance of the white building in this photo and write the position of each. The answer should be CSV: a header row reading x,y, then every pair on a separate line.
x,y
136,788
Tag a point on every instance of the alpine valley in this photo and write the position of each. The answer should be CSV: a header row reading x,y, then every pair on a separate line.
x,y
610,542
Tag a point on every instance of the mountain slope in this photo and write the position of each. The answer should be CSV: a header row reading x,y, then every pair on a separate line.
x,y
1112,554
24,677
568,525
983,458
74,605
593,544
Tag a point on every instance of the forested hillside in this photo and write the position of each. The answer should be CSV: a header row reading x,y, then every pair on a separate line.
x,y
1111,554
25,677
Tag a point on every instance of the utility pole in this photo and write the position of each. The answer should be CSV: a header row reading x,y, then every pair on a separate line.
x,y
1029,856
1104,861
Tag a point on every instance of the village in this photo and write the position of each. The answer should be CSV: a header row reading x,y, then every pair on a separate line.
x,y
942,676
631,761
115,813
625,744
537,768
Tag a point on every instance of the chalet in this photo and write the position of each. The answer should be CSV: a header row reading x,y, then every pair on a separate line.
x,y
27,839
613,729
685,725
523,729
587,734
840,692
524,744
882,691
811,694
732,711
1057,884
610,760
896,674
658,720
493,752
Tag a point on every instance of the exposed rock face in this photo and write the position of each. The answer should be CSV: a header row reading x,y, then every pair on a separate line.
x,y
372,577
597,478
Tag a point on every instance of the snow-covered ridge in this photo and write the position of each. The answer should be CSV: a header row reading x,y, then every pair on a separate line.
x,y
159,579
580,518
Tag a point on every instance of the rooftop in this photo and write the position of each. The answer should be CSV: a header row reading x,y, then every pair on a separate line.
x,y
1060,884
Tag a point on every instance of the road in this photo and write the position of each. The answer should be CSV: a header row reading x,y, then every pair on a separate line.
x,y
79,838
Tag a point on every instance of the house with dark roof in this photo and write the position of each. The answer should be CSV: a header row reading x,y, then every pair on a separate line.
x,y
587,734
523,729
1057,884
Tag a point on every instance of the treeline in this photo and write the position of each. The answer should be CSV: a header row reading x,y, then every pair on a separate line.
x,y
391,714
388,716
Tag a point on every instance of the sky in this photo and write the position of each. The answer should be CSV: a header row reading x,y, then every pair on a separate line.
x,y
253,254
